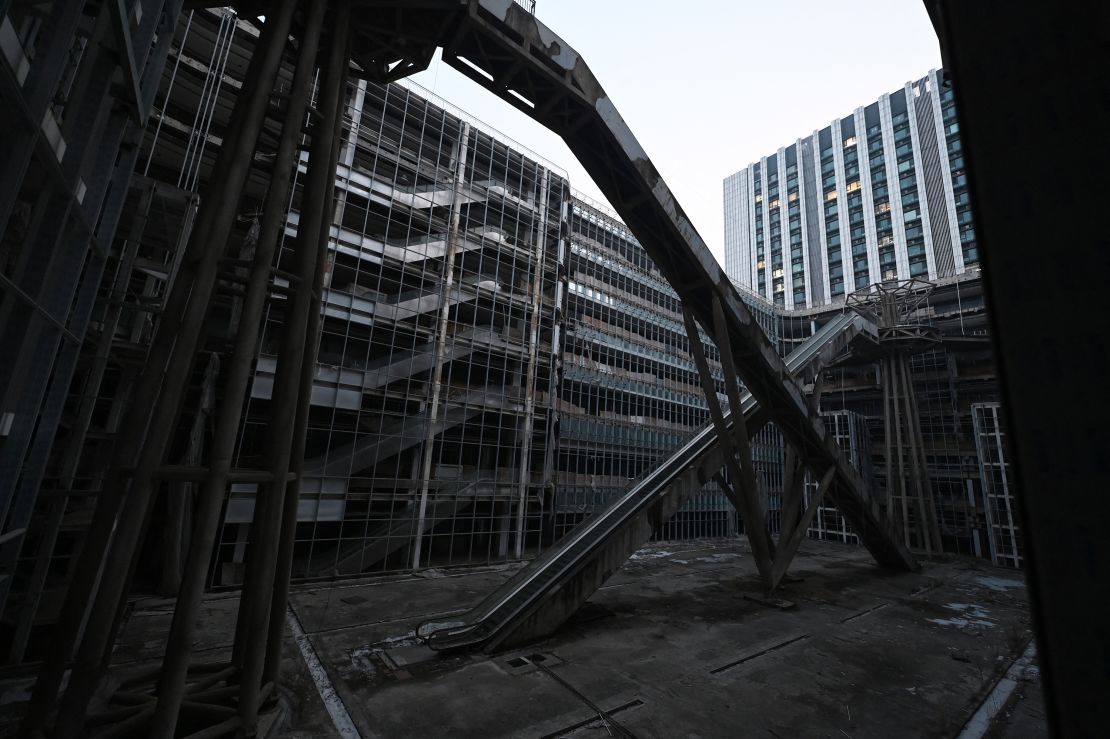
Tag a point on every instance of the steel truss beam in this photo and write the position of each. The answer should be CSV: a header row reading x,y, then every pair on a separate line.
x,y
121,26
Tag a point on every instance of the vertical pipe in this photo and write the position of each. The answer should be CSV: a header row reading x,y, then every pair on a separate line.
x,y
932,529
254,608
530,374
291,503
888,425
441,339
169,362
913,437
895,380
171,685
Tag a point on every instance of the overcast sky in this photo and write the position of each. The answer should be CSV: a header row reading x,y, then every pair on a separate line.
x,y
710,86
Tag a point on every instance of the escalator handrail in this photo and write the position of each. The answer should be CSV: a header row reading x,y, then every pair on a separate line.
x,y
683,457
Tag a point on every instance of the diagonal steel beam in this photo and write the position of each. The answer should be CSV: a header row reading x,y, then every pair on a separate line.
x,y
742,491
789,548
793,489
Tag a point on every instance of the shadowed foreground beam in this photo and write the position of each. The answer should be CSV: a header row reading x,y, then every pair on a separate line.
x,y
1030,83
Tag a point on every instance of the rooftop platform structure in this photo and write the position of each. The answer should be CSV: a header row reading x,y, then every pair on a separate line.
x,y
668,646
247,272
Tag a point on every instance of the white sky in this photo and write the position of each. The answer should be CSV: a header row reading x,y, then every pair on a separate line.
x,y
708,87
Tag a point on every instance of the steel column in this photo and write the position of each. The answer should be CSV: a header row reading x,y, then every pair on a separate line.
x,y
788,546
530,373
793,492
441,340
745,496
291,503
740,434
254,609
169,362
171,686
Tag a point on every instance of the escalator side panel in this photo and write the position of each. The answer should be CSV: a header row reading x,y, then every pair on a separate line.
x,y
527,608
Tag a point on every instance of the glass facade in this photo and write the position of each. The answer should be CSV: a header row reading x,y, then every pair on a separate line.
x,y
430,423
630,392
885,213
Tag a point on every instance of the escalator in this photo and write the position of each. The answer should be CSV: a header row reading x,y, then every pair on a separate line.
x,y
542,595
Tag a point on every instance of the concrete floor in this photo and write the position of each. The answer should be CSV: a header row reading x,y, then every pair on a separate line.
x,y
669,647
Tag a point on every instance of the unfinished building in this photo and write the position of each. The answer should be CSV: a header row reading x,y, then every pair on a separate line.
x,y
494,365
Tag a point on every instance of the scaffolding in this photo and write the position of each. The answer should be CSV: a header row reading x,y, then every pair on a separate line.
x,y
998,492
948,377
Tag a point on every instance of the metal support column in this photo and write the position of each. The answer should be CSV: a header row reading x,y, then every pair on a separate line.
x,y
291,503
171,686
525,466
462,149
788,546
793,492
255,602
745,495
111,544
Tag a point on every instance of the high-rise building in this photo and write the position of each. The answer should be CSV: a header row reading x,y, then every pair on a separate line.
x,y
880,194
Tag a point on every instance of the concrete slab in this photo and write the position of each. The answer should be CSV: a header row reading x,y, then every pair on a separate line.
x,y
669,647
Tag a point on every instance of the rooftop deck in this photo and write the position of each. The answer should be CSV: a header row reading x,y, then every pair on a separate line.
x,y
670,646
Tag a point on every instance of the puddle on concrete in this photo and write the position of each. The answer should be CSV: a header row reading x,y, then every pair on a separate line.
x,y
642,554
1001,584
722,557
970,615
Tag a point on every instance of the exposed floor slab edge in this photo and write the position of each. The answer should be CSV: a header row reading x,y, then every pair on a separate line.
x,y
980,722
344,726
